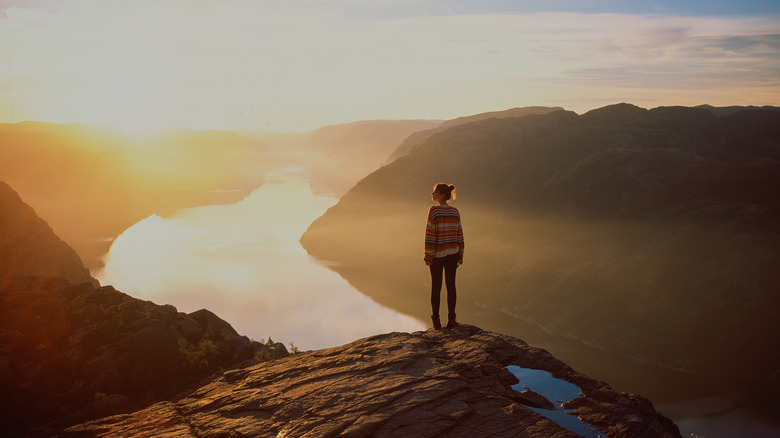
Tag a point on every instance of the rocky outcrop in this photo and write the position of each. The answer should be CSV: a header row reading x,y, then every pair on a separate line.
x,y
452,383
69,353
28,245
653,233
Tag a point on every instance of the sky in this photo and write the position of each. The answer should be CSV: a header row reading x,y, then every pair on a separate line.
x,y
297,65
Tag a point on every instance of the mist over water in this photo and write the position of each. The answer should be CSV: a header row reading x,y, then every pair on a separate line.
x,y
244,263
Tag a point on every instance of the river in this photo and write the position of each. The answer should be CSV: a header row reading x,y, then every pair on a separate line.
x,y
244,263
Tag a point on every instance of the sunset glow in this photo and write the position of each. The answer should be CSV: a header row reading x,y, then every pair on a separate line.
x,y
296,66
179,177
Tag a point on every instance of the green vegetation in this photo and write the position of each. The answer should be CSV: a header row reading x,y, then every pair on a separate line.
x,y
197,355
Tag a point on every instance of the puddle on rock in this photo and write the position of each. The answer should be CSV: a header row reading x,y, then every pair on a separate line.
x,y
557,391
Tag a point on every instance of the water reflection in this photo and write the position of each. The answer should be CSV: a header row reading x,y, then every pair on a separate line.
x,y
244,263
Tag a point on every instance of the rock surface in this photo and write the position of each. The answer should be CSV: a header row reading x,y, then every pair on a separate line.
x,y
452,383
28,245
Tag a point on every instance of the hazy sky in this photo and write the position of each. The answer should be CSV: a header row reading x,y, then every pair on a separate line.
x,y
297,65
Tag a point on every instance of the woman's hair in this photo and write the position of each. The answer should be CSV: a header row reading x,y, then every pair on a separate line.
x,y
448,190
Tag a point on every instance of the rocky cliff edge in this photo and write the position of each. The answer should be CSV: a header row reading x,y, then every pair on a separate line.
x,y
456,383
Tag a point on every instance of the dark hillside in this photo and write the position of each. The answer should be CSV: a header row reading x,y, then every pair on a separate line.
x,y
28,245
71,351
654,233
419,137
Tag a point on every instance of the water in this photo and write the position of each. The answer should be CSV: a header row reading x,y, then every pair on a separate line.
x,y
558,392
244,263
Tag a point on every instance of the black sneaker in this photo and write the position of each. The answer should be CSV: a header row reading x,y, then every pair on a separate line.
x,y
436,322
452,324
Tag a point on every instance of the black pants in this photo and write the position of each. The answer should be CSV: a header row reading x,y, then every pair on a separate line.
x,y
449,265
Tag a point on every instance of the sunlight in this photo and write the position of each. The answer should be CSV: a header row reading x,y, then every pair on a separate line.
x,y
145,247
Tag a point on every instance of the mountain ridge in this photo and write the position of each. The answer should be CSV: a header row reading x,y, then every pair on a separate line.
x,y
421,136
631,229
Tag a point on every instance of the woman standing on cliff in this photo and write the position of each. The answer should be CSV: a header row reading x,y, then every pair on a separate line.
x,y
443,250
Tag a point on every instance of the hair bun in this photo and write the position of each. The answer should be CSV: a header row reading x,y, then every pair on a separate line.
x,y
452,187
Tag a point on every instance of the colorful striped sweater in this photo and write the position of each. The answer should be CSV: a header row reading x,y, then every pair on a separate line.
x,y
443,232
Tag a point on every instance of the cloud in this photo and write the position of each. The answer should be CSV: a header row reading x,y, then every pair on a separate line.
x,y
298,65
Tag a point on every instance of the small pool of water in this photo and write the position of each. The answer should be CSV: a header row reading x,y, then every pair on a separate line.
x,y
557,391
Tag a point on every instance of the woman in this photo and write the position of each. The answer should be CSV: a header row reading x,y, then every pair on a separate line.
x,y
443,250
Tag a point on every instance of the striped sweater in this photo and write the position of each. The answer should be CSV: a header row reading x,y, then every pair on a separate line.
x,y
443,232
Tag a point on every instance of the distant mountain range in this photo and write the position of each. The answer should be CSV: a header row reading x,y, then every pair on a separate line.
x,y
653,233
92,182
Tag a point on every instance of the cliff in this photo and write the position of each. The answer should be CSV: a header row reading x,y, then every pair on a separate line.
x,y
72,351
28,245
464,382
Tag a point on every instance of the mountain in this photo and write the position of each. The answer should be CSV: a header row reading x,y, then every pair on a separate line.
x,y
28,245
652,233
727,110
71,351
418,137
464,382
